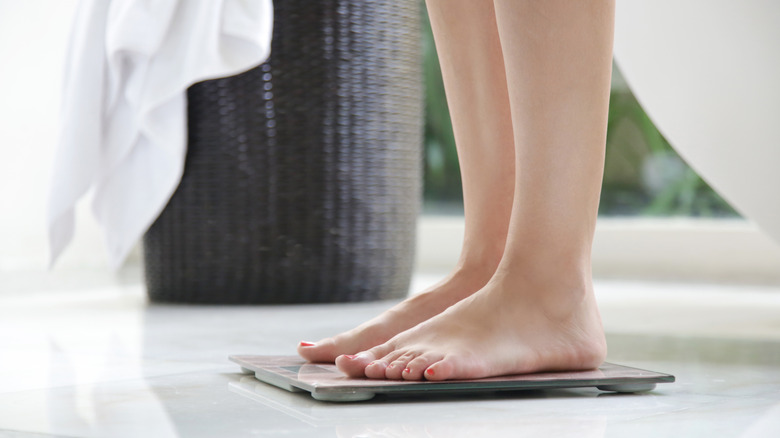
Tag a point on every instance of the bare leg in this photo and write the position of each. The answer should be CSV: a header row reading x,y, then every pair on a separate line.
x,y
538,311
474,78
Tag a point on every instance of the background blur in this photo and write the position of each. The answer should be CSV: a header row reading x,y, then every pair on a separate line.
x,y
643,175
660,219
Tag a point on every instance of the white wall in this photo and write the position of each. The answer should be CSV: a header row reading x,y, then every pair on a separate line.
x,y
33,35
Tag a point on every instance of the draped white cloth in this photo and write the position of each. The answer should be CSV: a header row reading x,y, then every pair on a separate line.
x,y
708,74
123,124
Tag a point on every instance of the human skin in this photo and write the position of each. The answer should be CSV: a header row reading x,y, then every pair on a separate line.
x,y
537,312
475,83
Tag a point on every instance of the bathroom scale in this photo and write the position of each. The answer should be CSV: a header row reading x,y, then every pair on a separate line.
x,y
326,383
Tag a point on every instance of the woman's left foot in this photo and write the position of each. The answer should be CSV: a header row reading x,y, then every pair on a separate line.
x,y
508,327
461,283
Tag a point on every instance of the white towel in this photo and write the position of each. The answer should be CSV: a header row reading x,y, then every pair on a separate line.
x,y
124,118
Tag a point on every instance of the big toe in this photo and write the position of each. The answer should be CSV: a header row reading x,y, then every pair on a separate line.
x,y
354,365
326,350
351,342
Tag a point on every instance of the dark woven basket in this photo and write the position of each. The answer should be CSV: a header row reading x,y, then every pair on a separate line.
x,y
302,177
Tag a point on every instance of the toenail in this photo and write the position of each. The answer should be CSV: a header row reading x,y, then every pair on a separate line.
x,y
372,363
430,371
407,370
350,356
390,366
307,344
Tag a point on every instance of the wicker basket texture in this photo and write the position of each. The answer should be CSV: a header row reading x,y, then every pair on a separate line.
x,y
302,177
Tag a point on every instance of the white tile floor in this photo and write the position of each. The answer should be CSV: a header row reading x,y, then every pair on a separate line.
x,y
98,361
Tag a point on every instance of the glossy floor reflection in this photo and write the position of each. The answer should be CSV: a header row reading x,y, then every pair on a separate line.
x,y
98,361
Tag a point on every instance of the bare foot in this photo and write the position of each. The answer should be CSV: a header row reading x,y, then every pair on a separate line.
x,y
407,314
511,326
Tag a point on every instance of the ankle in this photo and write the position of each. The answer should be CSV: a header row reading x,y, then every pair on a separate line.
x,y
475,271
555,279
550,263
480,260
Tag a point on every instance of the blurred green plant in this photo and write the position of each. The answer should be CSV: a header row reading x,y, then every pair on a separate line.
x,y
642,175
442,172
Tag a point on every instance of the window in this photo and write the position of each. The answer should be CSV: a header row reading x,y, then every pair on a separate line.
x,y
658,218
643,176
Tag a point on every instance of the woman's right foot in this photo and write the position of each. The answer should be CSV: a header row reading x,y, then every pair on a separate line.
x,y
403,316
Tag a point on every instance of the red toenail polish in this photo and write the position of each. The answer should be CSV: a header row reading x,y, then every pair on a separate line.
x,y
390,366
407,370
307,344
430,371
350,356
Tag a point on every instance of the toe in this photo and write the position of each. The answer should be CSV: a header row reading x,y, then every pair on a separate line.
x,y
393,371
355,365
441,370
396,367
325,350
376,369
416,367
393,356
351,342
